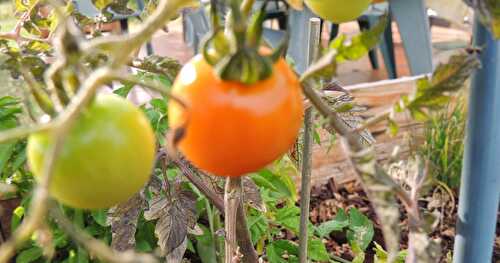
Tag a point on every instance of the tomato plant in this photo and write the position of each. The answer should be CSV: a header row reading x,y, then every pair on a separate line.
x,y
338,11
107,157
233,128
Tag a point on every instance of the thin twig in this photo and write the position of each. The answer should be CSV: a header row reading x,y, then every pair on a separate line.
x,y
242,233
23,132
151,86
123,46
353,138
374,120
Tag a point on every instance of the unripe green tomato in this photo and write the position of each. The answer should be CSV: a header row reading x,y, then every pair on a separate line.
x,y
338,11
107,156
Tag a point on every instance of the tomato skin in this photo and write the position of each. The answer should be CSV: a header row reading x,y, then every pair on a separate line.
x,y
338,11
107,155
232,128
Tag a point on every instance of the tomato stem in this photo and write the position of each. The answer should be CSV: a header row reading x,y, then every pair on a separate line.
x,y
232,202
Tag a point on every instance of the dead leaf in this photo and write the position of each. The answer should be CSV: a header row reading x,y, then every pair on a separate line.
x,y
251,195
123,219
175,216
178,253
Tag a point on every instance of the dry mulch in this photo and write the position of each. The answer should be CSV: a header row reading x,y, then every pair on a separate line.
x,y
327,199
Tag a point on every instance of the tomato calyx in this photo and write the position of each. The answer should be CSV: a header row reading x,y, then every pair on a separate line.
x,y
234,50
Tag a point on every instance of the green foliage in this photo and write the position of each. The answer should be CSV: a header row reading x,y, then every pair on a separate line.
x,y
341,49
381,255
436,92
444,147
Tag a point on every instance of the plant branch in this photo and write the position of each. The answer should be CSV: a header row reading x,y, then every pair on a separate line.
x,y
23,132
353,138
232,203
242,234
197,181
374,120
123,46
305,184
151,86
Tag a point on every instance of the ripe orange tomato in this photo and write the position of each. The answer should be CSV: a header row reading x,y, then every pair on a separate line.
x,y
338,11
233,129
106,158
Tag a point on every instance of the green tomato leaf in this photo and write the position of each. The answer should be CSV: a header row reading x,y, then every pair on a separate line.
x,y
17,216
361,229
29,255
289,217
205,246
282,251
359,45
340,222
381,255
317,250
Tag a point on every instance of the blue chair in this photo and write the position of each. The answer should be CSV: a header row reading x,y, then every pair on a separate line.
x,y
413,23
196,24
369,19
410,15
88,9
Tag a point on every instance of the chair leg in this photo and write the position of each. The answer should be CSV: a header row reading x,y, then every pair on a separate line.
x,y
386,46
149,48
283,22
364,24
124,25
411,17
334,31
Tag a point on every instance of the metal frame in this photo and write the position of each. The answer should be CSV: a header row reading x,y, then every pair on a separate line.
x,y
480,182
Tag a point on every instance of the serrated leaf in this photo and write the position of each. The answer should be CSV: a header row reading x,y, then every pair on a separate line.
x,y
361,229
251,194
205,246
359,45
381,255
123,219
282,251
289,217
174,217
317,250
29,255
337,224
159,65
433,93
178,253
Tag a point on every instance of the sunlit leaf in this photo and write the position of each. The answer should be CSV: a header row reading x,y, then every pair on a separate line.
x,y
361,229
359,45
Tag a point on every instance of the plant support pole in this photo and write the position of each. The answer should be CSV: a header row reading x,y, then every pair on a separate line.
x,y
305,190
480,183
